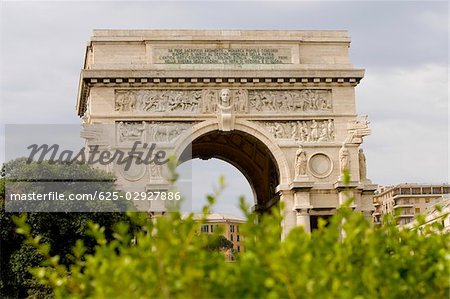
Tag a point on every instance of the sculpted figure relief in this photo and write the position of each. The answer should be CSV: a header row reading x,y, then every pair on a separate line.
x,y
292,100
358,129
303,131
205,101
209,101
362,165
155,131
130,130
344,159
166,131
241,99
125,101
300,162
158,100
225,111
155,171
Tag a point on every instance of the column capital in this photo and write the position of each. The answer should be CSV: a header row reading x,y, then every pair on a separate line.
x,y
303,210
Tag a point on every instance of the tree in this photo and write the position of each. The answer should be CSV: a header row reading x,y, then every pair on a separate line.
x,y
219,242
59,230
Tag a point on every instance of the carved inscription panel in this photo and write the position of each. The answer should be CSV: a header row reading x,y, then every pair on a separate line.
x,y
221,56
206,100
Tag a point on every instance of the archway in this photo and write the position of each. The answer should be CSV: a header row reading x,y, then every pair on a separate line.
x,y
198,178
248,154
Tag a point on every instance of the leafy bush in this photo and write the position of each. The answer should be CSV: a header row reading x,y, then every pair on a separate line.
x,y
58,230
167,258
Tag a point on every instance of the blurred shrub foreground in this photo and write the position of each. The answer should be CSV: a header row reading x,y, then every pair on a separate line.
x,y
167,258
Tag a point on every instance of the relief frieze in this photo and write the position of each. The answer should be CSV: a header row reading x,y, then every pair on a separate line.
x,y
131,131
303,131
244,101
290,100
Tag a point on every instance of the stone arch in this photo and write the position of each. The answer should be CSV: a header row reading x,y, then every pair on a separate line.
x,y
247,148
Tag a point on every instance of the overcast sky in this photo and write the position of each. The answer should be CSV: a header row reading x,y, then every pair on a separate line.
x,y
402,45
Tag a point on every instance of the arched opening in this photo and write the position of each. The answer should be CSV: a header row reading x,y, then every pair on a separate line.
x,y
246,153
203,179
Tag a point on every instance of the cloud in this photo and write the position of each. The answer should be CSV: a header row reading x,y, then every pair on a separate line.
x,y
403,46
408,110
201,177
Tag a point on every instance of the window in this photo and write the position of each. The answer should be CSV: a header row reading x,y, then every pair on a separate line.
x,y
231,228
231,238
204,228
237,228
437,190
212,228
427,200
417,200
239,249
237,238
417,210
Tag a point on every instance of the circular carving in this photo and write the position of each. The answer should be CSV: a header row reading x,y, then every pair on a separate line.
x,y
320,165
132,171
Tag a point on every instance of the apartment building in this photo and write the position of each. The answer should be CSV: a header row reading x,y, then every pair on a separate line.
x,y
408,200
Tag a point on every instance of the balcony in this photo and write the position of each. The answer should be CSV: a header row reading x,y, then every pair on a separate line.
x,y
407,215
403,205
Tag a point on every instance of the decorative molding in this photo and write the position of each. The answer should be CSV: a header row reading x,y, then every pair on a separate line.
x,y
320,165
124,78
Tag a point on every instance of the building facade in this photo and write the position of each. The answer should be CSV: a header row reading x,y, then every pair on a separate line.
x,y
408,200
230,228
434,214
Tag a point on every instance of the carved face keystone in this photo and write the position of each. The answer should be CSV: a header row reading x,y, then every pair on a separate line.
x,y
225,96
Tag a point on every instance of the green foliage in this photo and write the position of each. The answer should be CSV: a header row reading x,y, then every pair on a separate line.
x,y
59,231
168,258
219,242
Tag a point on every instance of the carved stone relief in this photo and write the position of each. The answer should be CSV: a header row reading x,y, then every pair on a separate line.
x,y
158,100
358,129
290,100
150,131
304,131
166,131
362,165
130,131
125,100
225,115
300,162
344,159
206,100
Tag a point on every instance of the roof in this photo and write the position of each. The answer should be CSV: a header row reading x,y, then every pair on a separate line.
x,y
218,217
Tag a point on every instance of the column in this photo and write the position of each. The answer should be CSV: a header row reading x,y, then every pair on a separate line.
x,y
303,219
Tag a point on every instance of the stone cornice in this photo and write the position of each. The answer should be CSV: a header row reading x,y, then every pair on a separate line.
x,y
221,35
212,78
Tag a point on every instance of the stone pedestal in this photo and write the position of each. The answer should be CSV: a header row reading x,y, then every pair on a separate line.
x,y
302,202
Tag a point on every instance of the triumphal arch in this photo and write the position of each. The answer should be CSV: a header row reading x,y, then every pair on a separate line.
x,y
278,105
